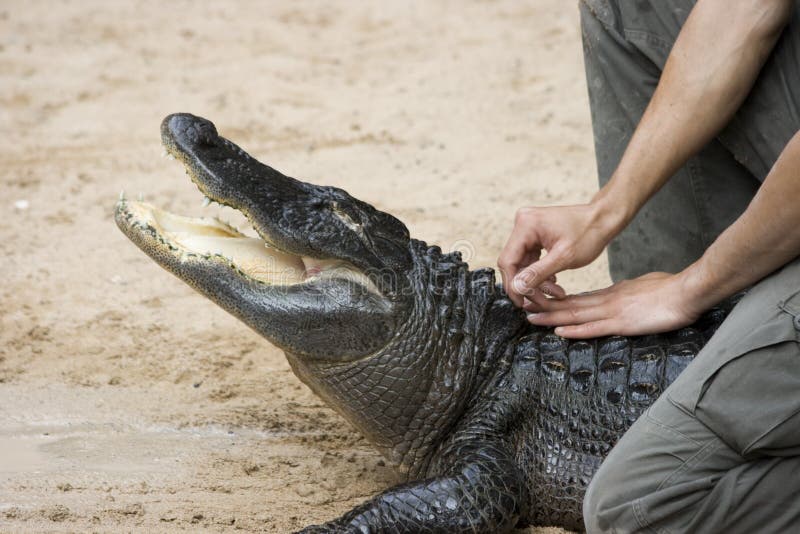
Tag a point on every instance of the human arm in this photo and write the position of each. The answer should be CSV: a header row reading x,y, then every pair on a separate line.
x,y
764,238
700,89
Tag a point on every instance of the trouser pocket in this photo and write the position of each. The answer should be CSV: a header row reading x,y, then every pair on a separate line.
x,y
753,401
745,383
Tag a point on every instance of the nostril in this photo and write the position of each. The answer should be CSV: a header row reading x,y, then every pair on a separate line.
x,y
200,134
192,129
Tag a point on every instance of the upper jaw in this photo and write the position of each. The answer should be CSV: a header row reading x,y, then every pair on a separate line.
x,y
194,141
168,237
177,238
328,314
226,174
306,220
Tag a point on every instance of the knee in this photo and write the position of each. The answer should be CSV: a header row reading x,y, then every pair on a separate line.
x,y
603,11
600,6
599,28
591,506
602,496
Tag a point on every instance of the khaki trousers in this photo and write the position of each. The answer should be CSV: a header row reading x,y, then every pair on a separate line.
x,y
719,451
626,43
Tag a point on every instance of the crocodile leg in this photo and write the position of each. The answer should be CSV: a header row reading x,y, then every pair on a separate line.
x,y
482,493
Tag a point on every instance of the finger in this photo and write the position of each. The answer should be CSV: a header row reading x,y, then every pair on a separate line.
x,y
654,276
571,316
592,292
569,302
508,285
539,271
514,254
536,302
605,327
552,289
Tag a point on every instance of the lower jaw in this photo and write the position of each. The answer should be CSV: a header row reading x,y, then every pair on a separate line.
x,y
207,238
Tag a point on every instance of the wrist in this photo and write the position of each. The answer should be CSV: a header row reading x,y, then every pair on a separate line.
x,y
609,215
699,287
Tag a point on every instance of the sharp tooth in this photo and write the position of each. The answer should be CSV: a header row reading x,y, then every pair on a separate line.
x,y
141,197
170,156
206,201
164,153
122,196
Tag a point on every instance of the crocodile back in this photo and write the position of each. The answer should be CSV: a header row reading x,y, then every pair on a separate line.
x,y
577,398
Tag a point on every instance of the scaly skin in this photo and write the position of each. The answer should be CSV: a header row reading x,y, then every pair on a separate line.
x,y
533,432
495,423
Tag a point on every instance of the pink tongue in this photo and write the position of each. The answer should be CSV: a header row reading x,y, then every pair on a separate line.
x,y
313,267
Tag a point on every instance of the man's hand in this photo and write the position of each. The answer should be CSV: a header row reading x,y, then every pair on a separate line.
x,y
656,302
762,239
573,237
699,91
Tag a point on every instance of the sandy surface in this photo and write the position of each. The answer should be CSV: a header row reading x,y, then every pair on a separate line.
x,y
127,401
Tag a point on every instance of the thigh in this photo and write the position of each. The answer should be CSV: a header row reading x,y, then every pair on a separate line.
x,y
753,402
757,496
770,115
724,437
658,475
625,46
675,227
672,473
650,26
745,383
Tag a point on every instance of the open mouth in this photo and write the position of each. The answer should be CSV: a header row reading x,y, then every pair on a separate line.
x,y
208,239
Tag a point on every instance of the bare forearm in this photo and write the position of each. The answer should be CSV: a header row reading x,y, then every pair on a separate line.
x,y
764,238
711,68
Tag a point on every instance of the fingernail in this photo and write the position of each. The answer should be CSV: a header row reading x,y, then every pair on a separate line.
x,y
532,316
558,331
522,282
525,276
519,286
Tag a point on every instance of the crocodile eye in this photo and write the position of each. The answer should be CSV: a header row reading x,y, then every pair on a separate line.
x,y
346,218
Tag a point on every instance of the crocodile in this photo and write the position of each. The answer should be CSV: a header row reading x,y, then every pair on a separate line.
x,y
494,424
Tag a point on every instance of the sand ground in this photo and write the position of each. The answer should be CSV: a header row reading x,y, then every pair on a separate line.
x,y
127,401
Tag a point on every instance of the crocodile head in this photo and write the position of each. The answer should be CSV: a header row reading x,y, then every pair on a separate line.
x,y
385,329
